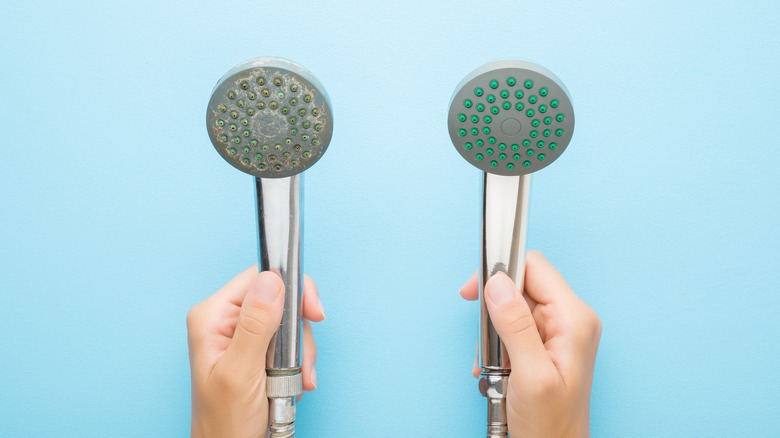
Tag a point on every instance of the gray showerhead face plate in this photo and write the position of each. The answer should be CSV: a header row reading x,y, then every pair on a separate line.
x,y
511,117
270,117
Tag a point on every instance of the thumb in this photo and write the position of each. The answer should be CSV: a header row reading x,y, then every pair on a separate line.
x,y
261,313
515,325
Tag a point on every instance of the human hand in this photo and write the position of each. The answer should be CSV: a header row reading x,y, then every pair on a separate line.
x,y
551,337
228,336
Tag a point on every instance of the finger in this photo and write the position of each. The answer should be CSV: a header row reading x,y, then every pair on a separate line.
x,y
470,290
476,371
261,312
218,313
515,325
542,281
308,370
312,306
234,290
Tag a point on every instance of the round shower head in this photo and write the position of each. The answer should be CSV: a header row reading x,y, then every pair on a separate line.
x,y
511,117
270,117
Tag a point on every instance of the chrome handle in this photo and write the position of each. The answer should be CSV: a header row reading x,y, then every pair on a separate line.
x,y
279,224
505,201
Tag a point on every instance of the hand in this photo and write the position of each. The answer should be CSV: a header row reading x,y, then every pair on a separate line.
x,y
551,337
228,336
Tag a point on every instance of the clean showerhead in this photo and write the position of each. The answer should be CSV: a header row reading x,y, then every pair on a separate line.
x,y
270,117
511,117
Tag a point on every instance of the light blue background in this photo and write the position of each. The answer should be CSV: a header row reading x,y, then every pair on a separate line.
x,y
116,214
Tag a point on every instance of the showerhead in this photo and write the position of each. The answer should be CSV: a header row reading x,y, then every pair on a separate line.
x,y
270,117
508,118
511,117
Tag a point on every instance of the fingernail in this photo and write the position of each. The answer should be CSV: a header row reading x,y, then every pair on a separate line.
x,y
322,309
500,289
314,377
267,287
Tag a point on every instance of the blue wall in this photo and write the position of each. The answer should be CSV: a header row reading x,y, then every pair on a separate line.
x,y
116,214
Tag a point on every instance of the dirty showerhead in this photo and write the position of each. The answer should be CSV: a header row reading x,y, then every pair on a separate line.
x,y
270,117
511,117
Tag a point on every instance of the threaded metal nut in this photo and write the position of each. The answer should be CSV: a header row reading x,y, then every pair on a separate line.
x,y
493,386
283,431
284,386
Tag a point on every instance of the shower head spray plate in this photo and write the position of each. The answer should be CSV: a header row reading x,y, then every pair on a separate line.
x,y
270,117
511,117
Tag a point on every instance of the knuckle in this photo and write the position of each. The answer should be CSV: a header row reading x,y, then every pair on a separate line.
x,y
194,316
594,322
587,327
521,323
597,324
256,322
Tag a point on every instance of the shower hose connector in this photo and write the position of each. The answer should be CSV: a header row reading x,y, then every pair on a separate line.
x,y
282,392
493,385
